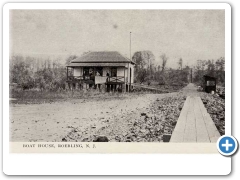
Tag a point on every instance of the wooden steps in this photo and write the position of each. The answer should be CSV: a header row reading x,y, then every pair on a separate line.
x,y
194,124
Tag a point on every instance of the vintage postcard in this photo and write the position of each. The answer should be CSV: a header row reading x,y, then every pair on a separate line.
x,y
118,79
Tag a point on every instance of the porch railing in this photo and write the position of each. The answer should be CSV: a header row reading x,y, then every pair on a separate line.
x,y
117,79
103,79
71,78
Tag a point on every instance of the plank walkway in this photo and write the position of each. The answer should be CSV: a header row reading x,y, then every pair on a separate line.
x,y
194,123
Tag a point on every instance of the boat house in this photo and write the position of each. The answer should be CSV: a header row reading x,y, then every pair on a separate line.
x,y
107,70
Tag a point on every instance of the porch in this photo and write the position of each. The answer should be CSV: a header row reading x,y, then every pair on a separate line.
x,y
97,79
97,82
106,78
108,70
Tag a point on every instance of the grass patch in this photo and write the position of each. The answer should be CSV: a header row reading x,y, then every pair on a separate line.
x,y
38,97
34,96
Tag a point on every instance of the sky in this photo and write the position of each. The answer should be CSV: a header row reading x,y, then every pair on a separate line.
x,y
186,34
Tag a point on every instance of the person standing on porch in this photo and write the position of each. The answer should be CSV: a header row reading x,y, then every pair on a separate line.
x,y
107,76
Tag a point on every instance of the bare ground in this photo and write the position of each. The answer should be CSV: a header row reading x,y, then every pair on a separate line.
x,y
128,117
117,118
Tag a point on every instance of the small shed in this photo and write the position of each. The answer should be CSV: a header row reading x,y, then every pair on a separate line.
x,y
209,84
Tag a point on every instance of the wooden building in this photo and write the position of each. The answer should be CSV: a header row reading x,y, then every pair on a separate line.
x,y
107,69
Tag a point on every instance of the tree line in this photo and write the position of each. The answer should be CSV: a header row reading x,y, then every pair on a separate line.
x,y
147,70
44,74
213,68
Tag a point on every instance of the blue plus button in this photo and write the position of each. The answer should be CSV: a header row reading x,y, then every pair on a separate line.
x,y
227,145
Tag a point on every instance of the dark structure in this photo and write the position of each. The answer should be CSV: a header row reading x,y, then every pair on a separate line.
x,y
209,84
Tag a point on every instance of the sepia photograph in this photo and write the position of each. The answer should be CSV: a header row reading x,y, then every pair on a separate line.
x,y
117,75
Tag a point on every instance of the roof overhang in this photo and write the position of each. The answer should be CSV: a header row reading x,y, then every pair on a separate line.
x,y
209,77
97,64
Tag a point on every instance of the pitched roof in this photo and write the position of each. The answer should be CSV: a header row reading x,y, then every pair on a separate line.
x,y
209,77
103,57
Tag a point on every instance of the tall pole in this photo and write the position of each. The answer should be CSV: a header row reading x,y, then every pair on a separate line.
x,y
130,77
130,44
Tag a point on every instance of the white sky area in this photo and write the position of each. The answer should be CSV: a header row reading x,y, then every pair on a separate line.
x,y
186,34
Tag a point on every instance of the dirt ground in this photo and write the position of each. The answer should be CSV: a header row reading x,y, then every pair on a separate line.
x,y
59,121
129,117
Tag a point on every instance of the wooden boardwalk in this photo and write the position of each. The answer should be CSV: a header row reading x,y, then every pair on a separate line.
x,y
194,124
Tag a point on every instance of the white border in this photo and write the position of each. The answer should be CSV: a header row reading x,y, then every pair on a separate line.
x,y
113,164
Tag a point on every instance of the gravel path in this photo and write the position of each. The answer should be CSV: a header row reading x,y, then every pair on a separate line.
x,y
216,108
153,116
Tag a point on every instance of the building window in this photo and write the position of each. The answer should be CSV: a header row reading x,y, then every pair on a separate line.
x,y
210,83
114,72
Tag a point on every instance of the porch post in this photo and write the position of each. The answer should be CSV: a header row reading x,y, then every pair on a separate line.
x,y
130,79
124,85
127,78
67,72
94,74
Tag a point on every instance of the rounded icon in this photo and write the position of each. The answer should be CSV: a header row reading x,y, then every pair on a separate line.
x,y
227,145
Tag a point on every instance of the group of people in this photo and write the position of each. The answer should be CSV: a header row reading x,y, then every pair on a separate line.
x,y
97,73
